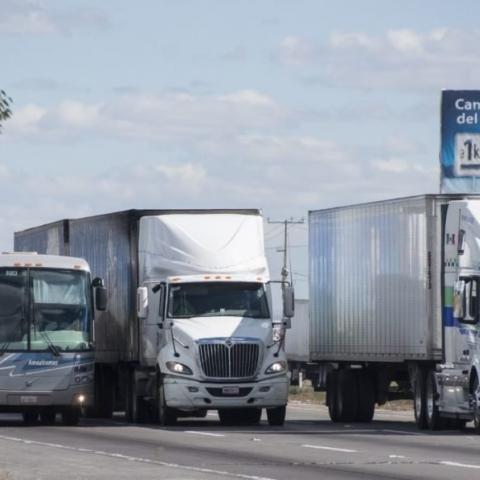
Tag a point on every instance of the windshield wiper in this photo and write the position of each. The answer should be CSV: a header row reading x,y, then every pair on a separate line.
x,y
53,348
4,347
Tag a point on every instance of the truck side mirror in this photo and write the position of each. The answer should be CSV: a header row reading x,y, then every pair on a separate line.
x,y
288,301
100,294
101,298
142,302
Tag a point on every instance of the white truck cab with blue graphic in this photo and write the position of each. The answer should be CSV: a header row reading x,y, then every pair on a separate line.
x,y
458,379
46,340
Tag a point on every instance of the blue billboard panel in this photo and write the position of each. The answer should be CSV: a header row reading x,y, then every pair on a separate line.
x,y
460,141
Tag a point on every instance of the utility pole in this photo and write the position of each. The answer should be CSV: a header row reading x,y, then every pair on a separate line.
x,y
286,224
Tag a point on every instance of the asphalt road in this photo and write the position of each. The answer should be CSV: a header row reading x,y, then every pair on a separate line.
x,y
309,446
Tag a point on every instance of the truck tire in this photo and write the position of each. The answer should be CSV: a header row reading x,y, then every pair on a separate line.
x,y
433,418
276,416
332,388
419,407
30,418
47,416
476,405
71,416
347,396
366,397
166,416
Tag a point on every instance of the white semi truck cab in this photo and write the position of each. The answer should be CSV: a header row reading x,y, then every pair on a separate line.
x,y
46,335
457,379
189,325
205,305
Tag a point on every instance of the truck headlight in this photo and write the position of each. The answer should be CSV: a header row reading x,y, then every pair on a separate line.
x,y
176,367
277,367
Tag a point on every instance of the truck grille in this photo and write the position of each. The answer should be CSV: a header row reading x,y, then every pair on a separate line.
x,y
236,360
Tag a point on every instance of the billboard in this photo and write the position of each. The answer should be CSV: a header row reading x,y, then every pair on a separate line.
x,y
460,141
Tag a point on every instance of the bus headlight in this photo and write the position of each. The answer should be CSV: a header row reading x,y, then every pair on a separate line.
x,y
277,367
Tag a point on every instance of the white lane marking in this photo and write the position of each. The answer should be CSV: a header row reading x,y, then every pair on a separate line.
x,y
463,465
333,449
134,459
404,432
396,456
207,434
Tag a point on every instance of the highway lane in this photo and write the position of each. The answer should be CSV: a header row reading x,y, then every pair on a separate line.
x,y
308,447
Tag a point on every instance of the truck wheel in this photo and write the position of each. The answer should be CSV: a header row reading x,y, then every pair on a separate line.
x,y
71,416
136,408
276,416
332,388
165,415
366,397
347,396
419,407
476,405
47,417
434,421
30,418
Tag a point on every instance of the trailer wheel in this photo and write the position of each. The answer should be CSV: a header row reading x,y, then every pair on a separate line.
x,y
104,393
276,416
347,396
419,406
165,415
366,397
332,387
433,418
137,409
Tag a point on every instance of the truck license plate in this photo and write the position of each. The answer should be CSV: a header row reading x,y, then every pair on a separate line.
x,y
28,399
230,390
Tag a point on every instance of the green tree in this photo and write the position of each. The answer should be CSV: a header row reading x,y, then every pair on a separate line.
x,y
5,110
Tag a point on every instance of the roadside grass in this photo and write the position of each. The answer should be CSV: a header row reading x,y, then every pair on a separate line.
x,y
307,395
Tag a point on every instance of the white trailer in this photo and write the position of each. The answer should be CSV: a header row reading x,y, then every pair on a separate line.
x,y
395,307
188,326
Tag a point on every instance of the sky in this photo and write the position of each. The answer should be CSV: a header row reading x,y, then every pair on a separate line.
x,y
283,105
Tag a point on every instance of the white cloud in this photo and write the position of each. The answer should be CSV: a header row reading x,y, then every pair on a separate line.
x,y
159,118
401,58
295,50
34,17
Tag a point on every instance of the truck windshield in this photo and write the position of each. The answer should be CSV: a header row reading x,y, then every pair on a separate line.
x,y
44,309
240,299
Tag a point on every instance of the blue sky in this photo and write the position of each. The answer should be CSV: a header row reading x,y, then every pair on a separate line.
x,y
282,105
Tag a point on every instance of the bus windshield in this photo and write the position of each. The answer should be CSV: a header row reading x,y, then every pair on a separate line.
x,y
239,299
44,309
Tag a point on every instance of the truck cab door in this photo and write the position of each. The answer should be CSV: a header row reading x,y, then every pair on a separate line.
x,y
152,325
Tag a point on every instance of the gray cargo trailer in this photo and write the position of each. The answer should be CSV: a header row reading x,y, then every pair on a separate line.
x,y
383,280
